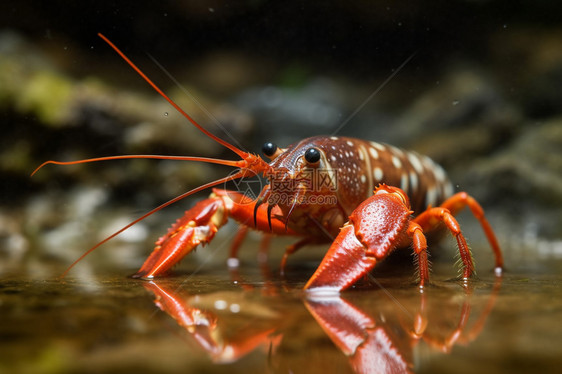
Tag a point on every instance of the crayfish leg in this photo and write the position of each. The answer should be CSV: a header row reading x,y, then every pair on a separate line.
x,y
241,234
432,217
233,261
458,202
292,249
419,243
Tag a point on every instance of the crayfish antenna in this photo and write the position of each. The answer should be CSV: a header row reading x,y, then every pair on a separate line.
x,y
249,164
234,149
240,174
249,160
239,163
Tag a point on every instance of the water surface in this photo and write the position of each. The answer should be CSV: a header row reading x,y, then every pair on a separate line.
x,y
254,320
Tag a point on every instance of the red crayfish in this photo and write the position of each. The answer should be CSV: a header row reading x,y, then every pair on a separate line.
x,y
321,188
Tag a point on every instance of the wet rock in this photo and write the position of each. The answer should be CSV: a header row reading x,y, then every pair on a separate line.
x,y
464,116
523,179
33,85
14,243
283,113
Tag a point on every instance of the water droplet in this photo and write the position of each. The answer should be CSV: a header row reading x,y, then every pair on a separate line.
x,y
166,114
456,102
498,271
232,262
221,304
212,10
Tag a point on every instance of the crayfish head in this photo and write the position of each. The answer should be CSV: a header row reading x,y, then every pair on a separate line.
x,y
301,182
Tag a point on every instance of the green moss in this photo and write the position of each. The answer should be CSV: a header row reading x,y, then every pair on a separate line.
x,y
47,95
16,157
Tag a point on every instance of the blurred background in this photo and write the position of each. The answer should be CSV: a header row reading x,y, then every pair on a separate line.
x,y
476,85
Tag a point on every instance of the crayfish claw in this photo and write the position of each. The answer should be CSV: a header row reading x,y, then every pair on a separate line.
x,y
345,263
197,226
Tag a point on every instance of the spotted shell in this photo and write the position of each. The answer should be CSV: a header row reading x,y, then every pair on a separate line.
x,y
360,165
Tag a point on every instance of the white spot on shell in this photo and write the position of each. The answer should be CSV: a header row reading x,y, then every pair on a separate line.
x,y
363,178
416,163
413,181
428,163
361,156
374,153
378,173
439,173
431,196
349,143
333,137
404,182
378,146
333,158
396,162
397,151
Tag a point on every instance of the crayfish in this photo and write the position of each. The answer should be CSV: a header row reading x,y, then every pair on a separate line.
x,y
371,197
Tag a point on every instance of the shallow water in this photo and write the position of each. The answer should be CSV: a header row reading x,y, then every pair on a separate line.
x,y
253,320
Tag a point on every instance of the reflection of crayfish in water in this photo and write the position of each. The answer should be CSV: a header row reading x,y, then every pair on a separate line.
x,y
315,185
376,334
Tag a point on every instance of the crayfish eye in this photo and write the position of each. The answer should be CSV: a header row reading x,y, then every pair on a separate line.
x,y
269,149
312,155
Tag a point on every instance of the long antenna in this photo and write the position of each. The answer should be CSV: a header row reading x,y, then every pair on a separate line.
x,y
249,164
239,163
176,106
175,199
